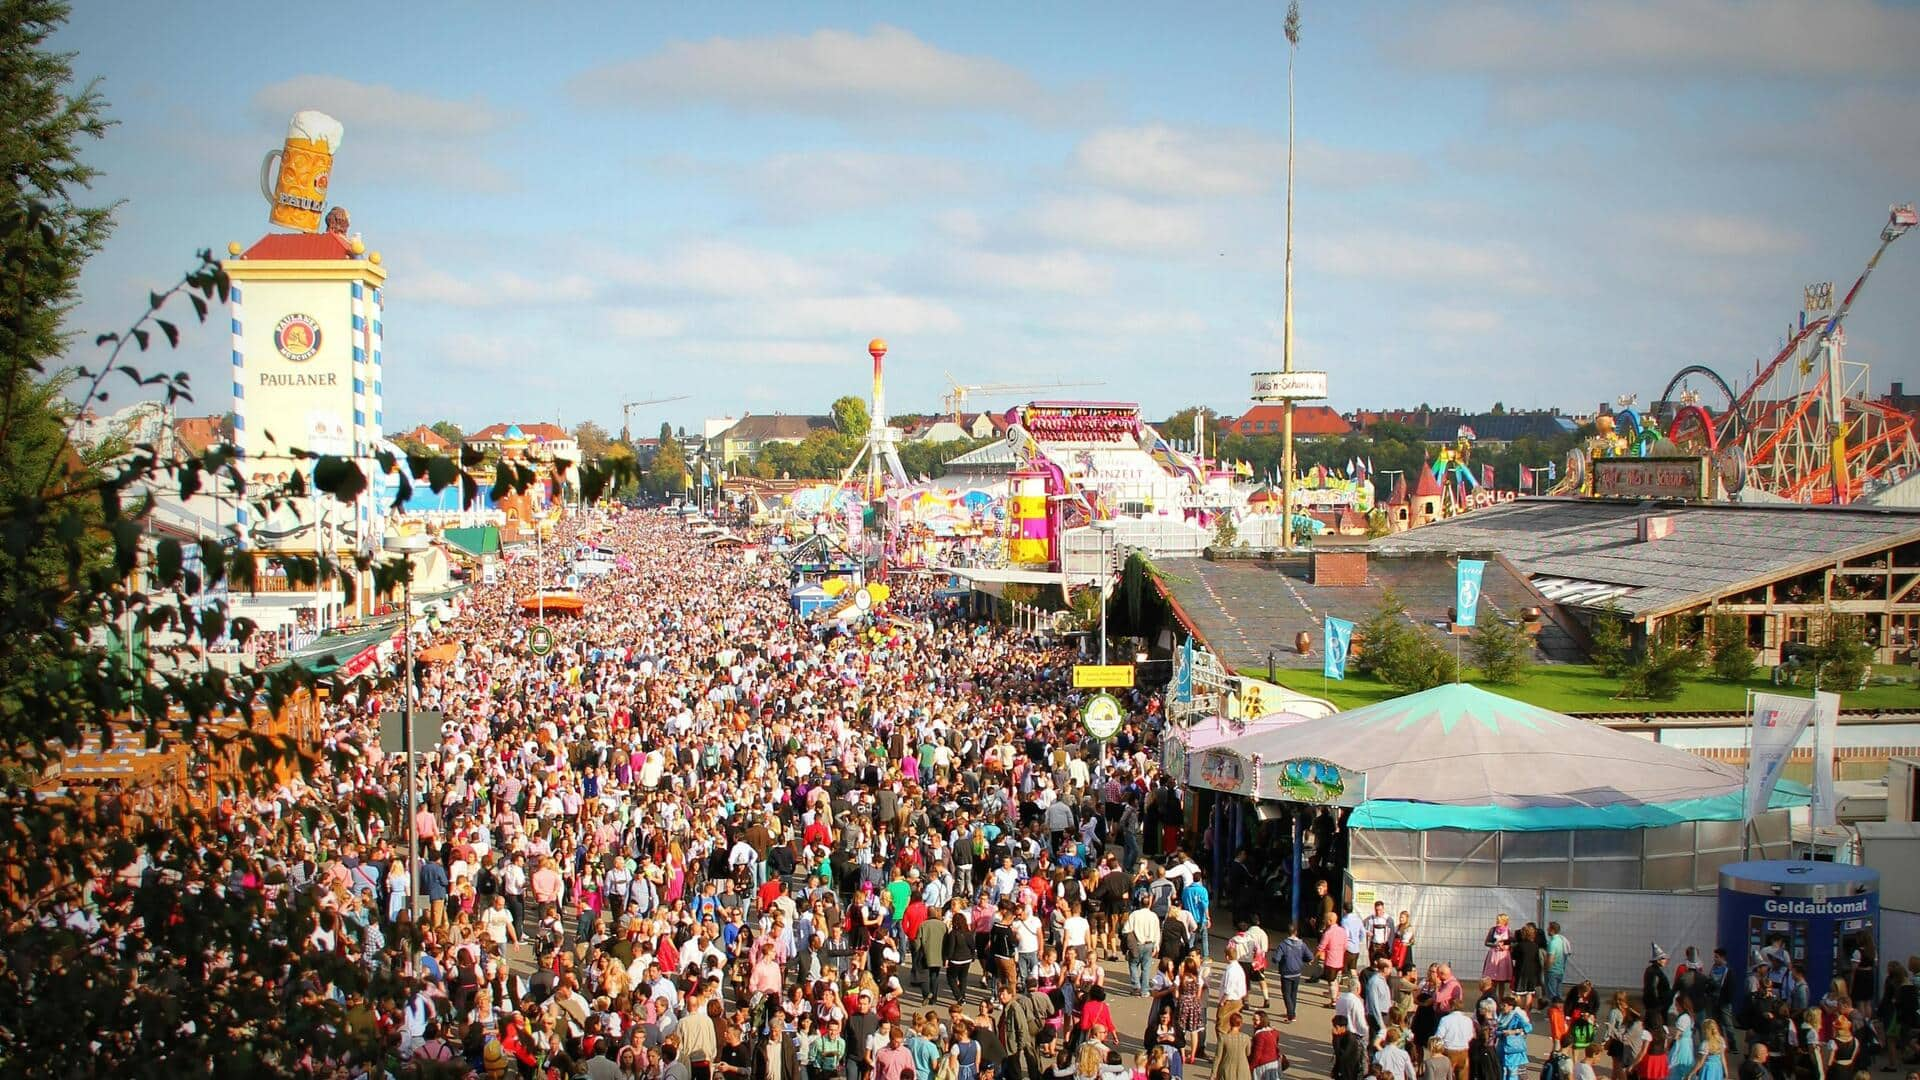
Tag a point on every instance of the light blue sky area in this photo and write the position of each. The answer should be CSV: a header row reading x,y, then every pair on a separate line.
x,y
1545,205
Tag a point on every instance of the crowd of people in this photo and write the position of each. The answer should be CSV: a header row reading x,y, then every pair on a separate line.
x,y
705,839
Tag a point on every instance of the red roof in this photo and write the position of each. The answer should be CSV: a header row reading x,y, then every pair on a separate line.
x,y
428,438
1309,421
535,431
1428,484
299,246
198,433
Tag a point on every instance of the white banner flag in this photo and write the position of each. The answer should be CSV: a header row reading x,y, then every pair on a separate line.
x,y
1778,723
1825,808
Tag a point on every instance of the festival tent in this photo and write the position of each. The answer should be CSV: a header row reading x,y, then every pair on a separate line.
x,y
1459,757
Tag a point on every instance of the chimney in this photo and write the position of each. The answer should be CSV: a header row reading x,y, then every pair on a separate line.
x,y
1655,527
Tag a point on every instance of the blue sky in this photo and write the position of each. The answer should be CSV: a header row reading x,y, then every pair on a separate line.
x,y
1539,204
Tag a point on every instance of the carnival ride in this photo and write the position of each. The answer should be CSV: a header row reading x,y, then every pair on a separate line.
x,y
1804,430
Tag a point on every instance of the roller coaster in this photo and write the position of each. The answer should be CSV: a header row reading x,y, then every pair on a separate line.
x,y
1806,429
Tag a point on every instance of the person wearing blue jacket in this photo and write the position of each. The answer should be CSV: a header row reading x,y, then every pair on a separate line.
x,y
1290,958
1512,1027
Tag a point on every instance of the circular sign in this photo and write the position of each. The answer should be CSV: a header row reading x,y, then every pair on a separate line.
x,y
540,640
1102,716
297,337
862,600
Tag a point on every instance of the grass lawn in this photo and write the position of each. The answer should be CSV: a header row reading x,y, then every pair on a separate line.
x,y
1581,688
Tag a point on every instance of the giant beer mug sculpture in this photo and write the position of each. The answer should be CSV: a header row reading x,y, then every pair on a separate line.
x,y
297,189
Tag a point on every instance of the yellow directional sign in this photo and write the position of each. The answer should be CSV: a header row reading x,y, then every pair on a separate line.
x,y
1094,676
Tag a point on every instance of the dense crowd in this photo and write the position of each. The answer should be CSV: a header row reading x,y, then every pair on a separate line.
x,y
706,839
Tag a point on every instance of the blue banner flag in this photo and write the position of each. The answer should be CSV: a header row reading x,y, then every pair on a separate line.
x,y
1339,638
1466,590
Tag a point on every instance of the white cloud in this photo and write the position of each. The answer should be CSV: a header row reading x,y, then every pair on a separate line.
x,y
834,73
1458,321
1388,256
718,268
959,224
1157,159
397,135
782,353
1114,223
859,317
1130,323
1065,272
814,183
377,107
504,287
1684,38
632,322
1724,236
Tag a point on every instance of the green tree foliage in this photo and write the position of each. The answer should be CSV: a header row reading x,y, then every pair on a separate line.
x,y
1843,655
667,473
850,416
1612,642
1396,652
1733,658
1502,651
1664,665
930,459
592,439
449,431
203,982
1180,425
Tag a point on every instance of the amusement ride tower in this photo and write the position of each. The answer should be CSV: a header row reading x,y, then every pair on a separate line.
x,y
883,461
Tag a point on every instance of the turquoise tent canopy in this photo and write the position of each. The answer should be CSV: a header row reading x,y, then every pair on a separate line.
x,y
1459,757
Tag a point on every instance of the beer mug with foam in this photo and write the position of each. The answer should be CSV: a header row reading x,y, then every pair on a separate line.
x,y
297,189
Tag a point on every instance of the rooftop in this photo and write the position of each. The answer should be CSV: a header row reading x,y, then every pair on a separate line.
x,y
1715,549
1245,609
325,245
777,426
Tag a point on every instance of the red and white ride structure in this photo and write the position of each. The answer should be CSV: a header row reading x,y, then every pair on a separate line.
x,y
1807,429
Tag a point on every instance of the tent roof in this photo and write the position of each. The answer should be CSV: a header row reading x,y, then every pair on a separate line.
x,y
476,540
1460,757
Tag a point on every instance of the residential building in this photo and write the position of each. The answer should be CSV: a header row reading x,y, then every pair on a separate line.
x,y
745,438
427,437
1309,422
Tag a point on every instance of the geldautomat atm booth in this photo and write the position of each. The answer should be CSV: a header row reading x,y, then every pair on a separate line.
x,y
1825,916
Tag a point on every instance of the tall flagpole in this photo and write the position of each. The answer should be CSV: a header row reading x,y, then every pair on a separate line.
x,y
1292,27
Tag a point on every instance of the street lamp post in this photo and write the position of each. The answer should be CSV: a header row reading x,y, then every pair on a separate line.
x,y
1105,529
407,547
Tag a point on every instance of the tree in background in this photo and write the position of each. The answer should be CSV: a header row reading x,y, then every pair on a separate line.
x,y
1398,653
930,459
1503,652
1612,647
1180,424
850,416
1664,665
592,439
667,473
1733,658
449,431
1844,656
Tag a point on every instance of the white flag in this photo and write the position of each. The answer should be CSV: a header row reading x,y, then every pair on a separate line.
x,y
1778,723
1825,808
